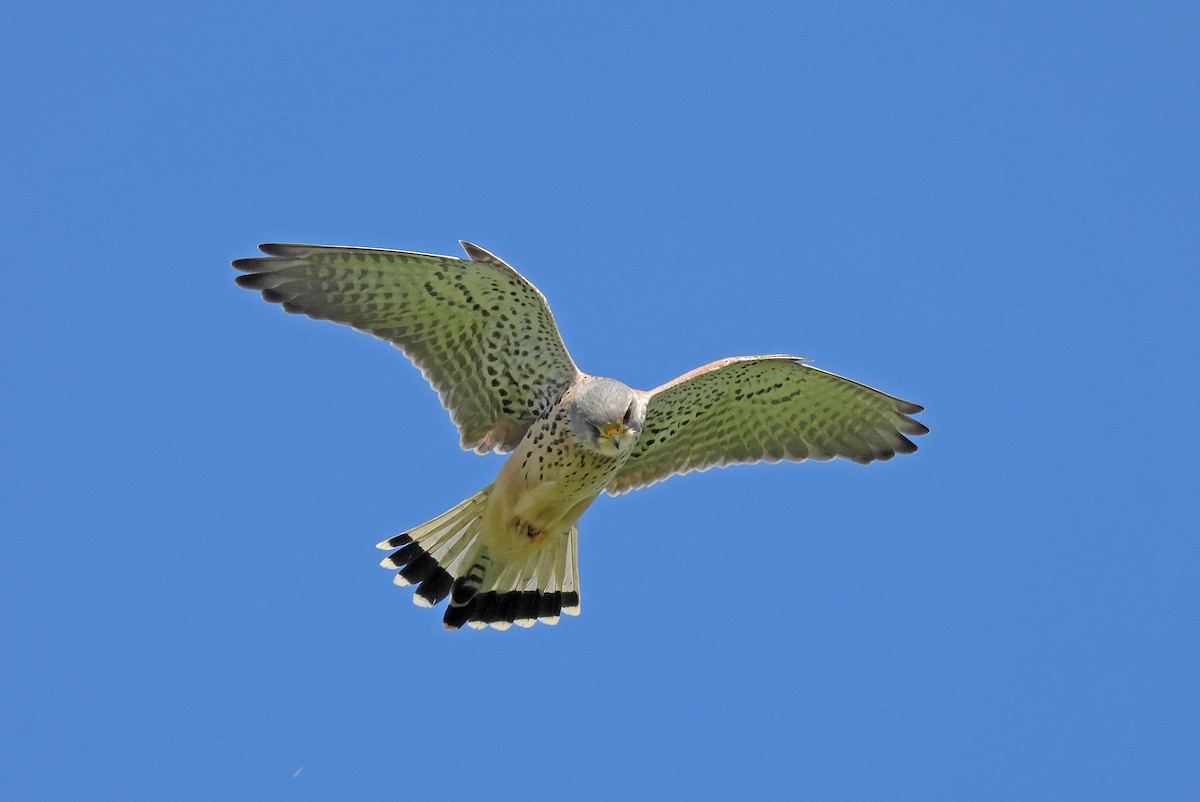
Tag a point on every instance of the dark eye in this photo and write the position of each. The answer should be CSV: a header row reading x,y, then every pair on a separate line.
x,y
629,414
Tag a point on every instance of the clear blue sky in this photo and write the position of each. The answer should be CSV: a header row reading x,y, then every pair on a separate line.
x,y
992,211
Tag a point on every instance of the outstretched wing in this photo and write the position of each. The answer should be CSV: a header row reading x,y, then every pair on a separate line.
x,y
752,408
482,335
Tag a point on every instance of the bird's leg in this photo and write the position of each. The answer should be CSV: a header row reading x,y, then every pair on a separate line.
x,y
531,532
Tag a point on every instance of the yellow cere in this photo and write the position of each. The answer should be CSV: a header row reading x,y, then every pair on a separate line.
x,y
612,429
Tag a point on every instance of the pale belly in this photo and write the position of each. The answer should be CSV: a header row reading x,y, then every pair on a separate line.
x,y
543,488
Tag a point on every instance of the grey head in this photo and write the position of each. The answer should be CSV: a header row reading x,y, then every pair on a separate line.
x,y
607,416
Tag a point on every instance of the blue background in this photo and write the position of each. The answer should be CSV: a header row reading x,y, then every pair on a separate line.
x,y
991,210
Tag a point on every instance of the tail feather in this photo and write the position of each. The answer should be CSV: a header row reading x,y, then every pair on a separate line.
x,y
571,581
447,557
427,555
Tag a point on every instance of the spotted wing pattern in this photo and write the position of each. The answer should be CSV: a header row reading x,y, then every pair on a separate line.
x,y
772,408
480,333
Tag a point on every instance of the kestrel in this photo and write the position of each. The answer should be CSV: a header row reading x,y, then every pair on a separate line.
x,y
485,339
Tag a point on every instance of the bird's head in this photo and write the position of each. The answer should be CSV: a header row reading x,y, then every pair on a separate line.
x,y
607,416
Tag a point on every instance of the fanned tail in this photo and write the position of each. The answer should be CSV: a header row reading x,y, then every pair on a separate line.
x,y
431,555
447,557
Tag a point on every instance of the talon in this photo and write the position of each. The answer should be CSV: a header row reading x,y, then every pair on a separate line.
x,y
531,532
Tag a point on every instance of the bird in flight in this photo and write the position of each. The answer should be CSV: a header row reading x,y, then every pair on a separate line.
x,y
484,337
